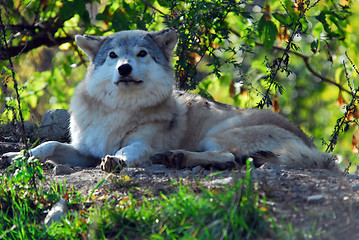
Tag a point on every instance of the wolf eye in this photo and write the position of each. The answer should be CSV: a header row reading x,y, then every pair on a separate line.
x,y
112,55
142,53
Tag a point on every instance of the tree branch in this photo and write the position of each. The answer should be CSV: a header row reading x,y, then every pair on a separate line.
x,y
306,62
310,69
151,6
44,38
8,57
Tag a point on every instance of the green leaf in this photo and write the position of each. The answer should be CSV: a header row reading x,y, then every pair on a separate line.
x,y
261,24
66,11
164,3
85,17
102,17
317,30
269,34
120,22
315,45
334,18
303,25
283,19
10,3
80,6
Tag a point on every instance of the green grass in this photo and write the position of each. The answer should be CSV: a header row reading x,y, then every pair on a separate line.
x,y
235,212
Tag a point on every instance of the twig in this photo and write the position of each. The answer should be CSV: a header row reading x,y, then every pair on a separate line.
x,y
343,122
14,11
311,70
22,125
325,79
151,6
306,62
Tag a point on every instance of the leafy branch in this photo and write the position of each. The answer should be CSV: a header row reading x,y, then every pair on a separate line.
x,y
32,27
22,126
343,122
43,38
309,67
267,28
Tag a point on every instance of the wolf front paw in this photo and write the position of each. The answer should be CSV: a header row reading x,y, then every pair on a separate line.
x,y
112,164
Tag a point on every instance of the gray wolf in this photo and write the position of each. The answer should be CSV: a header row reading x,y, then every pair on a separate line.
x,y
126,113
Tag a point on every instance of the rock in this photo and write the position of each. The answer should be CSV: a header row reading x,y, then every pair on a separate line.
x,y
12,131
196,170
185,173
56,213
352,176
62,169
55,125
355,188
223,181
132,171
315,199
269,165
142,177
157,169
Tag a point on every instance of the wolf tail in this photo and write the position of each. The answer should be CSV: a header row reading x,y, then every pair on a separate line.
x,y
306,157
297,156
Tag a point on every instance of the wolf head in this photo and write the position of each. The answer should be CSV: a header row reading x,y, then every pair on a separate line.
x,y
129,69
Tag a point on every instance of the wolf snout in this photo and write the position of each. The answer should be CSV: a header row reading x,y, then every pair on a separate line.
x,y
125,70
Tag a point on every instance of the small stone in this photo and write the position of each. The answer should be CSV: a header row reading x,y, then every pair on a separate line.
x,y
56,213
62,169
352,176
157,169
315,199
269,165
186,173
142,176
223,181
196,170
355,188
133,172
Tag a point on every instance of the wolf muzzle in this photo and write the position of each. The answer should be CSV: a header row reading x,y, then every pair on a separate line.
x,y
124,71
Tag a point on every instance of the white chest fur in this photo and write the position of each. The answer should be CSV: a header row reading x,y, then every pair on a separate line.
x,y
98,132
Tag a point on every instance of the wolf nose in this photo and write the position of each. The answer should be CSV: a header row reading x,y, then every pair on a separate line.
x,y
125,69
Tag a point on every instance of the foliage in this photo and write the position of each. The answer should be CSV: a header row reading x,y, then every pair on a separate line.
x,y
233,213
293,56
230,213
23,200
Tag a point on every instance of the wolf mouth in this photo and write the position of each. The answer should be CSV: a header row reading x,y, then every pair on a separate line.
x,y
128,81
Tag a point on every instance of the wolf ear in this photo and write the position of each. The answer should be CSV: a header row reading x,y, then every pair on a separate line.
x,y
89,44
165,40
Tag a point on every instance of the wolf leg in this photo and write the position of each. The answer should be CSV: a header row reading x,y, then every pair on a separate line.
x,y
267,143
61,153
186,159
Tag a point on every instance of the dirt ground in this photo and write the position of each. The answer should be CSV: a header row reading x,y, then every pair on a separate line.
x,y
319,203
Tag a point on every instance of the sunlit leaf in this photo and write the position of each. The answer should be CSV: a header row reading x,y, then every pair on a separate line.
x,y
275,104
283,19
232,90
340,100
65,46
315,46
355,142
269,34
